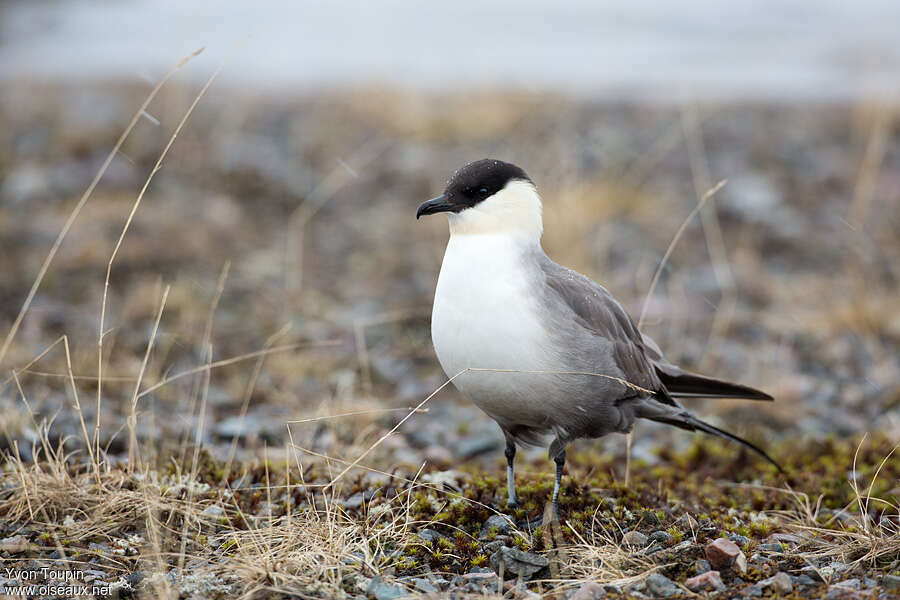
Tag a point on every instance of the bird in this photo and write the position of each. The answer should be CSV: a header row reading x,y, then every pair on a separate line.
x,y
543,350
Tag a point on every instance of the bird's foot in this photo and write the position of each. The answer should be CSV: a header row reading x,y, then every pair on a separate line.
x,y
514,505
551,515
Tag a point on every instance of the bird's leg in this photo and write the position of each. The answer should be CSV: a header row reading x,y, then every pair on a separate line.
x,y
512,500
560,460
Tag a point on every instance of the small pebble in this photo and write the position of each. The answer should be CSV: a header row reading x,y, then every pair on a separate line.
x,y
500,523
381,590
702,566
14,544
840,592
649,517
429,535
722,553
681,546
787,538
687,523
516,563
635,539
752,591
213,511
660,586
725,554
589,591
771,547
423,585
479,578
661,537
804,580
709,580
740,564
780,582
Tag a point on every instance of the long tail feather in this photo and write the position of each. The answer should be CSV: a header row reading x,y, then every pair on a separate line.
x,y
690,385
686,420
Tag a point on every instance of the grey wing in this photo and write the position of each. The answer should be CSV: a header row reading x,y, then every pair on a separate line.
x,y
599,334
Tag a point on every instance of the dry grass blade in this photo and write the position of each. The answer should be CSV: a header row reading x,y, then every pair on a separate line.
x,y
132,417
112,258
95,459
857,538
28,365
205,347
298,220
600,558
362,350
248,394
393,429
624,382
392,476
235,359
50,456
662,263
712,230
357,413
82,201
876,149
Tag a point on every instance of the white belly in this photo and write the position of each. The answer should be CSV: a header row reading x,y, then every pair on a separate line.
x,y
485,317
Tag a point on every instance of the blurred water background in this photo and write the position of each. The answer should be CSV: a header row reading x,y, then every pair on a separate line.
x,y
827,50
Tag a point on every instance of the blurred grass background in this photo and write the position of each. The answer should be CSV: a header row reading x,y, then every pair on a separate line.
x,y
788,281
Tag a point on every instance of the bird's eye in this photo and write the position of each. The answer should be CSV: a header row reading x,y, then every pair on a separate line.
x,y
483,191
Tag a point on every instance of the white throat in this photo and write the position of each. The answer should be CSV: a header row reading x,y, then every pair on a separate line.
x,y
515,209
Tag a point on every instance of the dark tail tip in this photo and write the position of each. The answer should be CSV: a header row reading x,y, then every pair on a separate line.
x,y
707,428
686,420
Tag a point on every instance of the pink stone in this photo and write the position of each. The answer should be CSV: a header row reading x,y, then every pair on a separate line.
x,y
722,553
589,591
15,544
705,581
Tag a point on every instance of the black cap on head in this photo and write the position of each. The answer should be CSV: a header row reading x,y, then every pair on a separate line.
x,y
471,184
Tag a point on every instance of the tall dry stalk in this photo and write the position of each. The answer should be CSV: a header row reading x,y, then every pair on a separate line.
x,y
132,416
112,258
82,201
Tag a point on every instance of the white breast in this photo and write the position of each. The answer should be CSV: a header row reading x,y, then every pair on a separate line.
x,y
485,316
